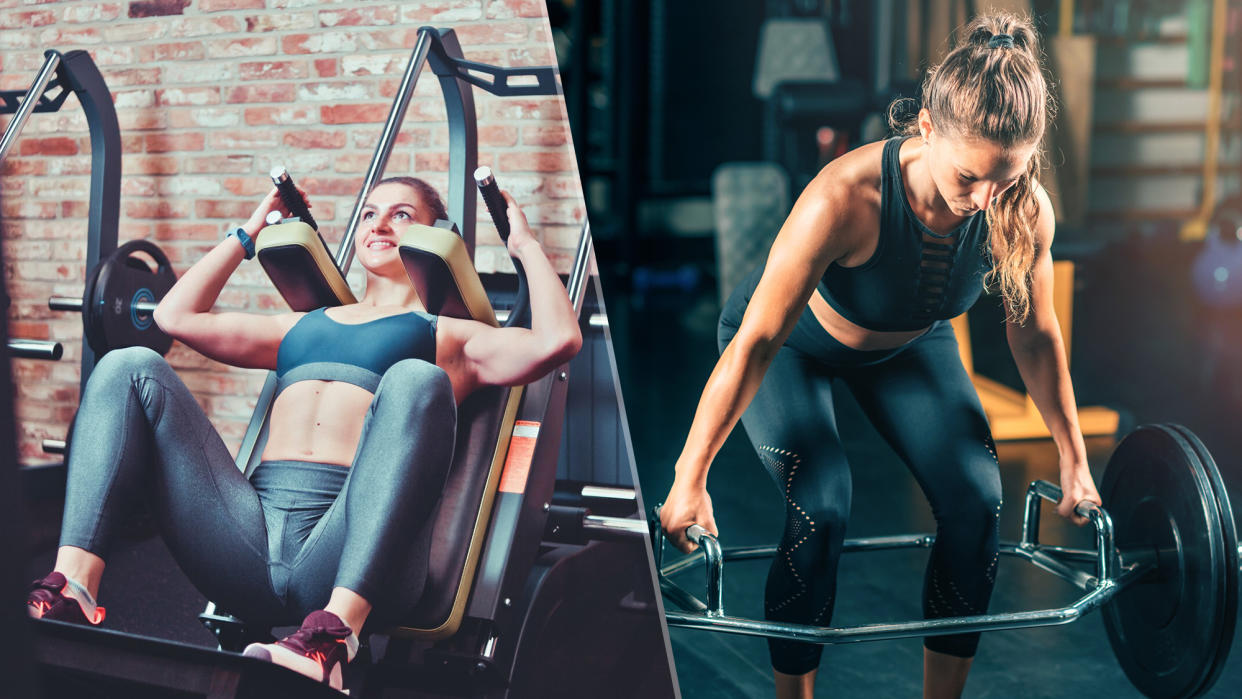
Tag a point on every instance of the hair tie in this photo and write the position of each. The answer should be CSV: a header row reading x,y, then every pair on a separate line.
x,y
1001,41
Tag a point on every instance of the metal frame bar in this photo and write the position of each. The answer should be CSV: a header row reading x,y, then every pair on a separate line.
x,y
75,71
1112,574
33,96
440,49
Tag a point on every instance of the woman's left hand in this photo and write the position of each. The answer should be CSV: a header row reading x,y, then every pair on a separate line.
x,y
1076,485
519,230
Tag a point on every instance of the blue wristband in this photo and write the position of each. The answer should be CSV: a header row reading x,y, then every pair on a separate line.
x,y
244,238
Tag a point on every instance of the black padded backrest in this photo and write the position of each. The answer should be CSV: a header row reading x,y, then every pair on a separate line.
x,y
461,522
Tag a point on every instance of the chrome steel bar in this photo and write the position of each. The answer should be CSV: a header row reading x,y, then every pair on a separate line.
x,y
18,122
713,559
72,303
54,446
678,596
1077,577
888,631
878,544
596,320
388,137
35,349
1030,516
581,270
606,493
1106,558
614,527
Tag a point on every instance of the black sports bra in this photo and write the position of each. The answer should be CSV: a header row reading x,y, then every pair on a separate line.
x,y
915,276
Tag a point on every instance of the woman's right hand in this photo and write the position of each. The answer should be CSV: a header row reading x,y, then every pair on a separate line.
x,y
685,505
272,202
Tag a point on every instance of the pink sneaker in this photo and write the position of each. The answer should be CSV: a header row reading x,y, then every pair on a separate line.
x,y
319,650
45,599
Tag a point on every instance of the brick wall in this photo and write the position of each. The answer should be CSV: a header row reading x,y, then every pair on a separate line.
x,y
210,95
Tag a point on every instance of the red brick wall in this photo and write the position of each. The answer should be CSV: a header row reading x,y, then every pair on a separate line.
x,y
210,94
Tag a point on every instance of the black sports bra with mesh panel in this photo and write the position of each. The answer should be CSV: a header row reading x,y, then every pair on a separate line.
x,y
915,276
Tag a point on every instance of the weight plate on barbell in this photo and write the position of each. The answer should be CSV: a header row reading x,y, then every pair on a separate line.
x,y
1229,530
1167,628
122,280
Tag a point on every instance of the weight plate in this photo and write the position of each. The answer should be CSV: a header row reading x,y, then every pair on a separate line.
x,y
1166,629
122,281
1229,531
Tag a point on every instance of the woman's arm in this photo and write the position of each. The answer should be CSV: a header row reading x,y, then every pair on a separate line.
x,y
516,356
1039,352
240,339
814,235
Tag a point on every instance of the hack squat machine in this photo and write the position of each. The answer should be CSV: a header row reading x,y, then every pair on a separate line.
x,y
538,587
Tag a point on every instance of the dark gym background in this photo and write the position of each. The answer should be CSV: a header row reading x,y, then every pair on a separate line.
x,y
660,95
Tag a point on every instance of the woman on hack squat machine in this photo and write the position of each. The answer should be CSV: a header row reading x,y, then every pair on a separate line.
x,y
334,524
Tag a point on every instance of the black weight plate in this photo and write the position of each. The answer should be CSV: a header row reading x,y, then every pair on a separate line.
x,y
91,329
1229,529
123,281
1166,629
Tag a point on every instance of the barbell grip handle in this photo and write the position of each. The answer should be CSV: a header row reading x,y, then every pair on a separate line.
x,y
70,303
1052,493
695,533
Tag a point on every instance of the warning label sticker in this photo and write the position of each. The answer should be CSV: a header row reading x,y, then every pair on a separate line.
x,y
521,452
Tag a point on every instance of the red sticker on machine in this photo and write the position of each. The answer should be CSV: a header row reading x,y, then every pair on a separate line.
x,y
521,451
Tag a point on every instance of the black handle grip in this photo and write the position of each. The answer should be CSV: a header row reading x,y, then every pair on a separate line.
x,y
497,207
495,203
290,195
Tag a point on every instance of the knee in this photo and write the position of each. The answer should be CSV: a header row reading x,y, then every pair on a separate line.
x,y
128,363
823,516
423,385
976,504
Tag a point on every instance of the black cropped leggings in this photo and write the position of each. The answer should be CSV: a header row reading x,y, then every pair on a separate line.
x,y
921,400
272,549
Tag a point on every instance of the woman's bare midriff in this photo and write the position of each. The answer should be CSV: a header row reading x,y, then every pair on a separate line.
x,y
853,336
318,421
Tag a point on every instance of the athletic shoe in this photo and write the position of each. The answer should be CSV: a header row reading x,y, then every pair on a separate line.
x,y
46,599
319,650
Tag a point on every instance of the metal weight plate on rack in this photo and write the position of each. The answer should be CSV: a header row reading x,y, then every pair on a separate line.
x,y
119,282
1229,529
1169,630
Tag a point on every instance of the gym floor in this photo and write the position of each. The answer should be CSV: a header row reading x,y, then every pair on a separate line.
x,y
1142,344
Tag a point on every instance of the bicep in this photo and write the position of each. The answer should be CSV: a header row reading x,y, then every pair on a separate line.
x,y
502,356
244,340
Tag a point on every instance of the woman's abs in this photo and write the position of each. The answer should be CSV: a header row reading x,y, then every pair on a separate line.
x,y
319,421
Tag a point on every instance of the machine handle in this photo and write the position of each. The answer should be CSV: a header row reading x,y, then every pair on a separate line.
x,y
713,559
1106,557
495,203
290,195
1052,493
496,206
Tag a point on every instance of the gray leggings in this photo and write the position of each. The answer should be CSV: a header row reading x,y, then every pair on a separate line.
x,y
272,550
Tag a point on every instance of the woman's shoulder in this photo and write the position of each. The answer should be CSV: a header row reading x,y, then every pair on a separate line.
x,y
845,195
852,178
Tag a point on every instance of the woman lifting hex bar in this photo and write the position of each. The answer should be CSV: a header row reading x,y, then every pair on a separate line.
x,y
334,523
884,246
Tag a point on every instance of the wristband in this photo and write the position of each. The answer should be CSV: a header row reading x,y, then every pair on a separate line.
x,y
244,238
